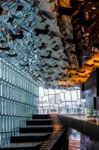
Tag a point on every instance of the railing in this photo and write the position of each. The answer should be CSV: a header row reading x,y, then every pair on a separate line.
x,y
47,110
56,141
84,126
18,101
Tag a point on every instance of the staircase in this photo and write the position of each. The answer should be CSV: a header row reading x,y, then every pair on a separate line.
x,y
31,137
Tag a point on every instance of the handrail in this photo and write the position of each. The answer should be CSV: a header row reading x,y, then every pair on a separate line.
x,y
55,141
87,128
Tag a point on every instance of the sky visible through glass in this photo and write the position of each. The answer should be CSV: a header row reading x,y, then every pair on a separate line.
x,y
61,101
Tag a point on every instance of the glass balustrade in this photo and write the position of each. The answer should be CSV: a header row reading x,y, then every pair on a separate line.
x,y
18,100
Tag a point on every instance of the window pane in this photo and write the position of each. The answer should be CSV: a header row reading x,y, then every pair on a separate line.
x,y
62,96
68,96
41,92
51,91
74,95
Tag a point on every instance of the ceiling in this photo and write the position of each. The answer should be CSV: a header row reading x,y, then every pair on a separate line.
x,y
51,45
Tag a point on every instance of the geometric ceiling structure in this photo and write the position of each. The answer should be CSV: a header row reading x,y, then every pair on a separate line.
x,y
47,38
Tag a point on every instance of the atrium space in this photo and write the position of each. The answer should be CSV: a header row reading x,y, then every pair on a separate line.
x,y
49,74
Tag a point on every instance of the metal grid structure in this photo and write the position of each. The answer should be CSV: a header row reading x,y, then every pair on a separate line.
x,y
18,100
61,101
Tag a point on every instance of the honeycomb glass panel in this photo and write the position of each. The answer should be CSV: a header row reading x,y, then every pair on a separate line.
x,y
18,100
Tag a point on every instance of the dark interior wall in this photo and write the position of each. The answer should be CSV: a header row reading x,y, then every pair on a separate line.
x,y
97,83
90,91
87,143
97,90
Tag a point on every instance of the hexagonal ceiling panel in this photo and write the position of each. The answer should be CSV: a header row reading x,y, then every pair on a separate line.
x,y
30,39
35,38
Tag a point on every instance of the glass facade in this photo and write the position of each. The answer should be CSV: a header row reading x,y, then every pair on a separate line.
x,y
62,101
18,100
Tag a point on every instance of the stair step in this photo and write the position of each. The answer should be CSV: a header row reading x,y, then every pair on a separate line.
x,y
35,129
22,146
34,134
41,116
39,122
29,138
